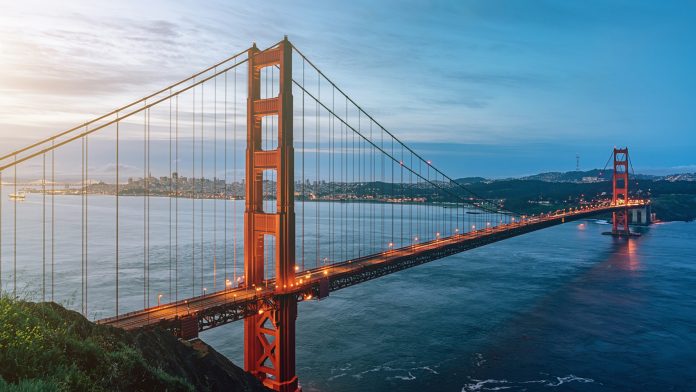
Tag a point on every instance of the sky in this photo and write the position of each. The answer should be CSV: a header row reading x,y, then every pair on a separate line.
x,y
485,88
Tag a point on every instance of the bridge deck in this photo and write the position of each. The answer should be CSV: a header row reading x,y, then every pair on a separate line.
x,y
234,304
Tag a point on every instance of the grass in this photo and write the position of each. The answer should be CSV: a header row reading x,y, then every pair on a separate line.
x,y
44,347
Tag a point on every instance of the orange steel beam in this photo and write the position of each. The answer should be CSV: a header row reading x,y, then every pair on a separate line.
x,y
620,191
269,335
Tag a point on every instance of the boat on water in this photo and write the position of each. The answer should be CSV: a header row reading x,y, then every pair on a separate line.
x,y
19,196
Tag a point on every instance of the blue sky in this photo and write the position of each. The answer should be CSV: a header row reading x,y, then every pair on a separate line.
x,y
487,88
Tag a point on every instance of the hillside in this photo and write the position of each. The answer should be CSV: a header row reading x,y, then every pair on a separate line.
x,y
584,176
44,347
671,200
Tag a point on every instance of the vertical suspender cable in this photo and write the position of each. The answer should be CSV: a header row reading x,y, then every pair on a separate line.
x,y
202,196
53,220
316,180
332,179
215,195
193,195
304,194
358,189
225,182
402,196
374,195
117,197
234,181
147,196
83,192
383,185
86,225
145,209
346,189
392,192
14,244
43,229
1,199
176,201
171,177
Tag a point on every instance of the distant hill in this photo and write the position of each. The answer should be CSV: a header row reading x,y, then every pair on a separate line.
x,y
471,180
594,175
680,177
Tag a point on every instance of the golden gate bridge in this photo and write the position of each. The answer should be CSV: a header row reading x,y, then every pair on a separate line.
x,y
331,199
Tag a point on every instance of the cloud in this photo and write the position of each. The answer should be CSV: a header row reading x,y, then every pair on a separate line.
x,y
457,72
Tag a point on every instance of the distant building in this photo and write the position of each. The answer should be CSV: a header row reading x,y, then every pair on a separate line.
x,y
592,179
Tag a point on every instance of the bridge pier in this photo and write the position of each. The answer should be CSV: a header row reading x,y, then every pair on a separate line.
x,y
641,216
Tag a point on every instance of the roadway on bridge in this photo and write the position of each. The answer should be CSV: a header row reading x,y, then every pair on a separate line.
x,y
308,281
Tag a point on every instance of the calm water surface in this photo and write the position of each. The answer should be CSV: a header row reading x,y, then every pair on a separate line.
x,y
561,309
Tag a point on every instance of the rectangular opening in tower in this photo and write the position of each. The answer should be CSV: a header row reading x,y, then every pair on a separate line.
x,y
269,254
270,81
269,132
270,191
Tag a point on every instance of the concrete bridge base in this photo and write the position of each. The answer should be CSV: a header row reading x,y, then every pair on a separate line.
x,y
642,216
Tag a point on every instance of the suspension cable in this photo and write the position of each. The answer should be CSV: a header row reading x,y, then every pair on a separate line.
x,y
381,149
383,128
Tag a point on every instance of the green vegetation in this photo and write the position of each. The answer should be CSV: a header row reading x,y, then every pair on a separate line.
x,y
44,347
674,207
671,200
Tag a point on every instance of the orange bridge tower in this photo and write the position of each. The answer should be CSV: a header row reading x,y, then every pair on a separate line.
x,y
269,336
620,192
